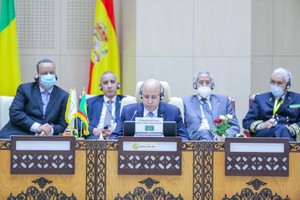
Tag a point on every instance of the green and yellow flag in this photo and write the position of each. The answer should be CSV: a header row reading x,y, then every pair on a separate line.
x,y
10,75
83,115
105,51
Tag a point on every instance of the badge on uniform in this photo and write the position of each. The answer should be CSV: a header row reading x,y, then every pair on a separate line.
x,y
294,106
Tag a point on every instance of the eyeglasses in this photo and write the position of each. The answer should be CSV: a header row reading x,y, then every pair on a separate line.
x,y
145,96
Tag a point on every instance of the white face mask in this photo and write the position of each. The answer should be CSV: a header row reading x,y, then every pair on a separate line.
x,y
204,91
276,91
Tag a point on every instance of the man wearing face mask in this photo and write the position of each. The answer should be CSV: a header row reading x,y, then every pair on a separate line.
x,y
204,107
38,107
275,113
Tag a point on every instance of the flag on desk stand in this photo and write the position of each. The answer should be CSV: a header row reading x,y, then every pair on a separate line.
x,y
10,75
71,110
105,51
83,115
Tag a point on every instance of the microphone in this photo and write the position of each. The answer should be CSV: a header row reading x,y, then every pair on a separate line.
x,y
134,114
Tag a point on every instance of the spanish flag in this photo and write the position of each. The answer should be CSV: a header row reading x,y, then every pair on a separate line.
x,y
105,51
10,75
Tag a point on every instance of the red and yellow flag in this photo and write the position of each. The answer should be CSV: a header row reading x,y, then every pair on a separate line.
x,y
105,51
10,75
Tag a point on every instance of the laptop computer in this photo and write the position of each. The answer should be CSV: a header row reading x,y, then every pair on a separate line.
x,y
169,128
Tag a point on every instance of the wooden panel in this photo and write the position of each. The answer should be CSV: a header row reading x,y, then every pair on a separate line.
x,y
231,185
176,185
203,175
67,184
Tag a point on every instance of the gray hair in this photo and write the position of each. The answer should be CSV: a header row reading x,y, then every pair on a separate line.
x,y
285,73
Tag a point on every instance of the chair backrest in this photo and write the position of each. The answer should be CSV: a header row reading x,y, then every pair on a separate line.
x,y
5,102
176,101
232,102
251,99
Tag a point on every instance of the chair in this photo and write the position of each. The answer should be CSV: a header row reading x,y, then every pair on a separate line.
x,y
233,105
176,101
251,99
5,102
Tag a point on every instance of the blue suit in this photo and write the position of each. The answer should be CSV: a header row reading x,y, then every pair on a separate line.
x,y
27,108
167,111
262,110
94,110
221,105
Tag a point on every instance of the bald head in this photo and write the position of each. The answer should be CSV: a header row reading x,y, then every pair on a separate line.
x,y
151,90
151,85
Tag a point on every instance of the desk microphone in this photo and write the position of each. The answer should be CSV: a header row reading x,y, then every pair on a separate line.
x,y
134,113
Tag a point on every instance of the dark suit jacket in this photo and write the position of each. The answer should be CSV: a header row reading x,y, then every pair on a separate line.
x,y
94,110
221,105
262,109
27,108
167,111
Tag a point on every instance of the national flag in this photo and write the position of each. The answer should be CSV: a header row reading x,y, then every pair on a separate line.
x,y
72,109
83,115
105,52
149,128
10,75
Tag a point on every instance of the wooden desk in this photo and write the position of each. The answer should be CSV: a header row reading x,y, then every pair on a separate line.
x,y
96,176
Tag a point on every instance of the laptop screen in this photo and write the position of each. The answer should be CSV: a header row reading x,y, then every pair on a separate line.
x,y
169,128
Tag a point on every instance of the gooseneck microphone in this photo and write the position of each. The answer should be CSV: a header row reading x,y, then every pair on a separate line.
x,y
134,114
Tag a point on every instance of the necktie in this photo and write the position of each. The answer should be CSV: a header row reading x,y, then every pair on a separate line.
x,y
150,114
207,113
108,115
45,99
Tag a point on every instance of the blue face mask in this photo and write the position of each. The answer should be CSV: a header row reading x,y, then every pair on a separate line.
x,y
276,91
47,81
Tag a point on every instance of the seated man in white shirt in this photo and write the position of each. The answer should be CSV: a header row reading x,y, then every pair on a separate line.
x,y
104,110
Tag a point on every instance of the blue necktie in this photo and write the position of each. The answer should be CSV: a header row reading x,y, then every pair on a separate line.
x,y
45,99
150,114
207,113
108,115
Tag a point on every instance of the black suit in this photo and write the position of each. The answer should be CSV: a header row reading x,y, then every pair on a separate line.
x,y
27,108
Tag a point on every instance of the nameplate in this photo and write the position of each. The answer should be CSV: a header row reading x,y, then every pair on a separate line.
x,y
149,156
42,155
150,125
257,157
149,146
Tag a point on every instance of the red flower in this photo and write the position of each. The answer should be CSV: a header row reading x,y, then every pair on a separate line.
x,y
217,121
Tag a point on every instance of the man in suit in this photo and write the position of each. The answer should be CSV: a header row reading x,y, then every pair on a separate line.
x,y
151,93
104,110
204,107
275,113
38,107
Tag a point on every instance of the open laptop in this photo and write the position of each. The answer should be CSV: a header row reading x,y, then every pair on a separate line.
x,y
169,128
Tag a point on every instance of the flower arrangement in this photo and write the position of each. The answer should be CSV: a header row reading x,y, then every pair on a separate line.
x,y
222,124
